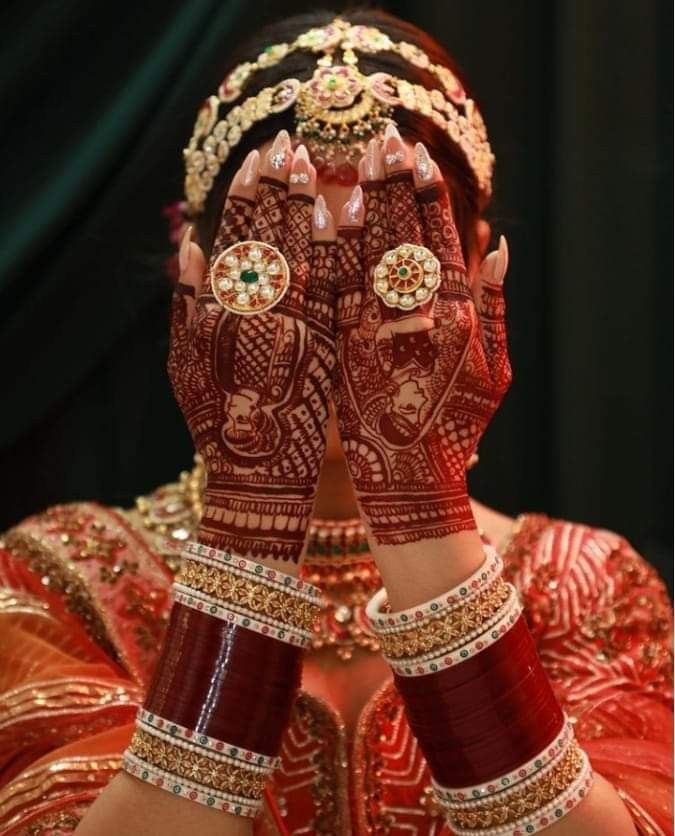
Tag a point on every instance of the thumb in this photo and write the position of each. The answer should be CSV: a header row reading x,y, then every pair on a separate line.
x,y
488,292
192,264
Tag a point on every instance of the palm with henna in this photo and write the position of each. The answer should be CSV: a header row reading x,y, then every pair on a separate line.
x,y
254,390
415,389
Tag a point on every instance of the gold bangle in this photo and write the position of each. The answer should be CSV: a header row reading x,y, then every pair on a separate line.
x,y
191,765
522,802
260,598
450,626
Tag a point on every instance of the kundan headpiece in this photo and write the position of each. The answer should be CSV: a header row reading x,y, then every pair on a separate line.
x,y
338,110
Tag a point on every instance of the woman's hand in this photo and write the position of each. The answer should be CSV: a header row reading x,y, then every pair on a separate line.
x,y
254,390
416,388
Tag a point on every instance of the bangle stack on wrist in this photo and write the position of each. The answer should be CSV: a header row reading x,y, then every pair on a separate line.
x,y
211,725
502,754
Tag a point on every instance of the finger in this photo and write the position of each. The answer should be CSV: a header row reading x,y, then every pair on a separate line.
x,y
238,208
438,223
267,223
405,223
183,297
373,190
350,260
321,286
488,293
297,233
192,263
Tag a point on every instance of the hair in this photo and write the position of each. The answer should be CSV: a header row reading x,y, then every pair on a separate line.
x,y
468,201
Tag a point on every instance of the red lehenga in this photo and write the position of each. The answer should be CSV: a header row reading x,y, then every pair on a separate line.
x,y
84,597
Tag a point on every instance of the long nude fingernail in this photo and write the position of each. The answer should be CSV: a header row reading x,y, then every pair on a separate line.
x,y
424,165
320,212
184,250
502,261
394,149
300,166
374,169
355,205
249,168
280,149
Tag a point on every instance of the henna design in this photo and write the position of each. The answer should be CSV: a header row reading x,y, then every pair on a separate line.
x,y
254,389
404,216
414,390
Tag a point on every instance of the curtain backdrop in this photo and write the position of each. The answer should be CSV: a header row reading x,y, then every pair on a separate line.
x,y
98,100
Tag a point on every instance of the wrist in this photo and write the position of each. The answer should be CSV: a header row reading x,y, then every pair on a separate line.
x,y
270,526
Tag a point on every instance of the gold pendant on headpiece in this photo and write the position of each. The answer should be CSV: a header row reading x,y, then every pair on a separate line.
x,y
407,276
249,277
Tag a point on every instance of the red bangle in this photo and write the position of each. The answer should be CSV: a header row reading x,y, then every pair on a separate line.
x,y
200,661
485,716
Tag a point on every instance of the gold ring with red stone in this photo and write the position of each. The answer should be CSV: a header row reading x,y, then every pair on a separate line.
x,y
407,276
249,277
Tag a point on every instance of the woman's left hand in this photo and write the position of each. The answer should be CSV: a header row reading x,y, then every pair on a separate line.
x,y
415,388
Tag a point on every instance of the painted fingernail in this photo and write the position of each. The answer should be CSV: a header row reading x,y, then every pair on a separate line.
x,y
249,168
355,205
184,250
280,149
374,161
320,212
423,162
394,149
300,166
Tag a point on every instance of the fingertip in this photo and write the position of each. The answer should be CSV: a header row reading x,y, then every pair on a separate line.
x,y
278,159
193,274
425,170
362,170
245,180
184,249
396,153
503,256
373,163
353,212
302,176
323,223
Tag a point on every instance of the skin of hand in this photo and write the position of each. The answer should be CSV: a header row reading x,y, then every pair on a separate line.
x,y
414,389
254,390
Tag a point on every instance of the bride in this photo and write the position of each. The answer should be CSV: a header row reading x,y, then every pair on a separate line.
x,y
316,630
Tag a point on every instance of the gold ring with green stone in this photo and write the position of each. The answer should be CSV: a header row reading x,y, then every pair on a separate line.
x,y
249,277
407,276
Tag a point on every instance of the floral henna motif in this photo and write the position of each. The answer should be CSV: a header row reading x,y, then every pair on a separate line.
x,y
415,389
254,389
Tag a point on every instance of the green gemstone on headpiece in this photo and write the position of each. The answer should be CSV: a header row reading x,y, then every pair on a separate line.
x,y
332,81
248,276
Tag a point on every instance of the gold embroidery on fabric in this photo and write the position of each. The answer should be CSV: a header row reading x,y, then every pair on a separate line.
x,y
58,577
54,780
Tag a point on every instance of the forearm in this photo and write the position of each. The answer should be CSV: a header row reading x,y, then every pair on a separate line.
x,y
127,807
419,572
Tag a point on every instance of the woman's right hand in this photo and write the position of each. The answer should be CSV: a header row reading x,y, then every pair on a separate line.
x,y
417,386
254,389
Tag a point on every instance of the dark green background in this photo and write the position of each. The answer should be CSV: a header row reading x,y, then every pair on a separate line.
x,y
98,100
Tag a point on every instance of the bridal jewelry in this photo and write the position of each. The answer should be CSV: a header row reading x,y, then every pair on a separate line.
x,y
336,111
407,276
249,277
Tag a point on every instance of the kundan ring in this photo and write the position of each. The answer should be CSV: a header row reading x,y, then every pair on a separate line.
x,y
249,277
407,276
